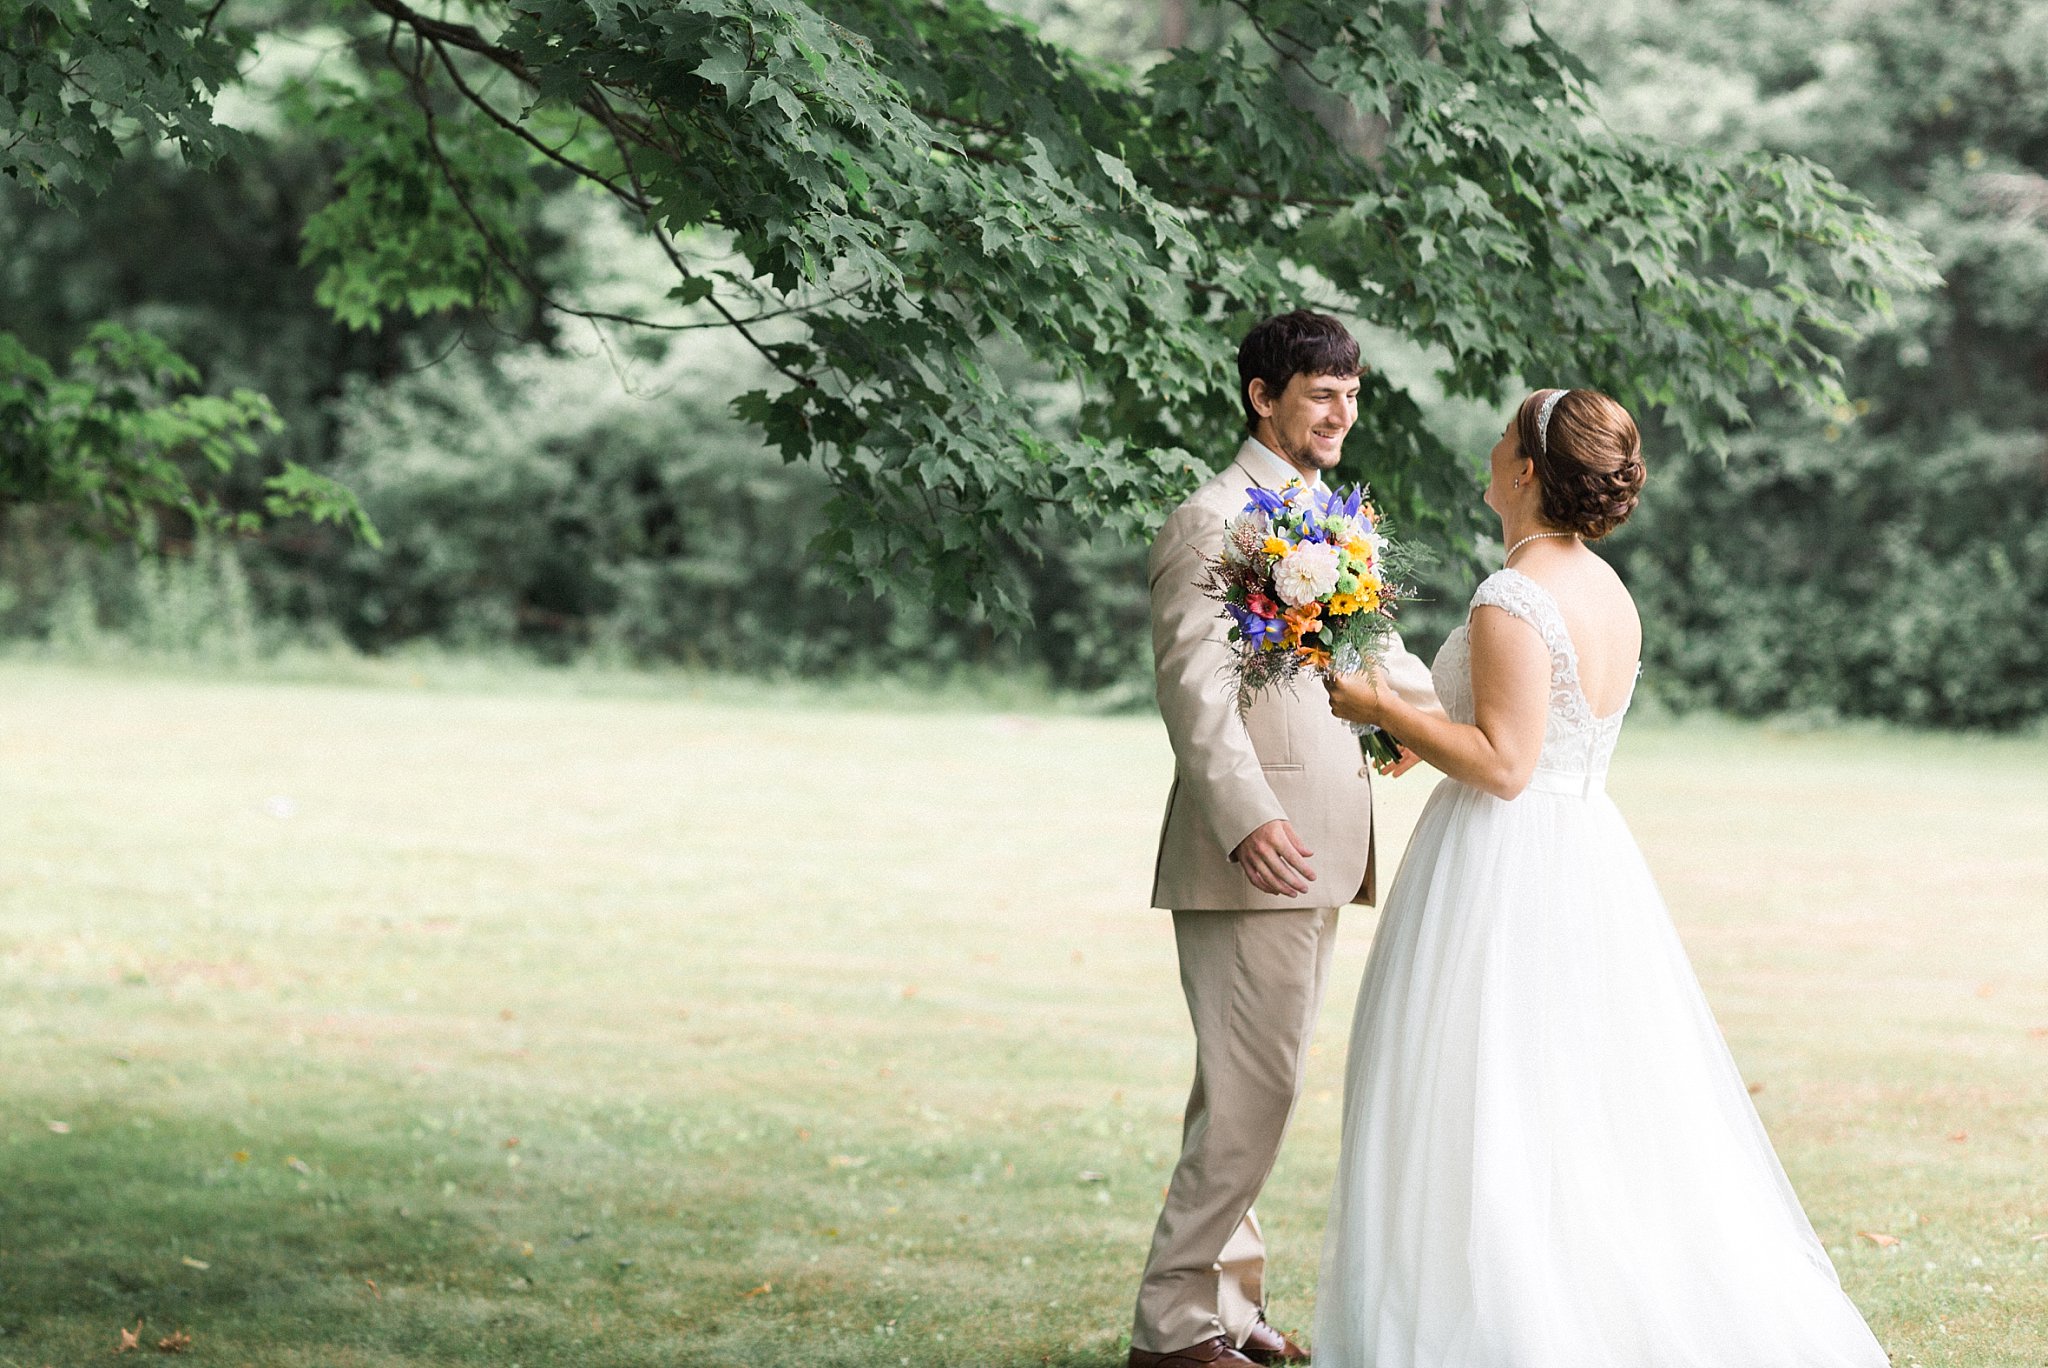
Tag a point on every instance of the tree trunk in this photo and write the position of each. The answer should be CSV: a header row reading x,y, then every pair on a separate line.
x,y
1173,24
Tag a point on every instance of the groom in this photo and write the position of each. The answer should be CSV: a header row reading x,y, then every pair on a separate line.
x,y
1268,832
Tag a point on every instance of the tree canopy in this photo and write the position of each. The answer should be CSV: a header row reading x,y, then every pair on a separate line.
x,y
903,206
1775,582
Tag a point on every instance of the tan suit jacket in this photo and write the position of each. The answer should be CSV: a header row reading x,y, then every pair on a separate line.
x,y
1287,757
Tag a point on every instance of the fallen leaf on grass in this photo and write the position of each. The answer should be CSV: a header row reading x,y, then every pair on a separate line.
x,y
1755,1088
59,1127
240,1156
511,1142
1959,1136
375,1290
763,1290
191,1262
1878,1238
177,1342
130,1339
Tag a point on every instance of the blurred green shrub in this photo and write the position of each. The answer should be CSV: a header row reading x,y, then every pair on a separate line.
x,y
1847,579
531,502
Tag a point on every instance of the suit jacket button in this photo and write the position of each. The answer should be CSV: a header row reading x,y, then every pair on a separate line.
x,y
1365,771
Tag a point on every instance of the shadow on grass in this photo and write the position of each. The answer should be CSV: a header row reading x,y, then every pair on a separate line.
x,y
624,1254
340,1257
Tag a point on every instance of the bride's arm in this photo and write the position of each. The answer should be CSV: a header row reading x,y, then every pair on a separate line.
x,y
1511,699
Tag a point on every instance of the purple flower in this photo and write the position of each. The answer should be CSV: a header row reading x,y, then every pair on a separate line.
x,y
1266,501
1336,503
1255,629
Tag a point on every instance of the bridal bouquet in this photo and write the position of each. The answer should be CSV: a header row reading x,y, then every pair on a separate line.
x,y
1310,582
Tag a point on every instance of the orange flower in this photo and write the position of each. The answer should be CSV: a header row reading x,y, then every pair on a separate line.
x,y
1300,621
1314,658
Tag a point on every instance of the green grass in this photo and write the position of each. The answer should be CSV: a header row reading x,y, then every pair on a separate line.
x,y
807,1019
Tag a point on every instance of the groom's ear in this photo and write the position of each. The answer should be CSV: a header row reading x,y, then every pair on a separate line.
x,y
1263,400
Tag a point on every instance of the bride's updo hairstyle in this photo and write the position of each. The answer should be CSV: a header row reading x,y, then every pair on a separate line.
x,y
1589,460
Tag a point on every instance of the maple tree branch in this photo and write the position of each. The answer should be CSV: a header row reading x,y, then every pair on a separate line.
x,y
668,248
492,113
439,35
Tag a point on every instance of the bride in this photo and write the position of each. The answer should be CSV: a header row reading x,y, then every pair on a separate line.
x,y
1549,1159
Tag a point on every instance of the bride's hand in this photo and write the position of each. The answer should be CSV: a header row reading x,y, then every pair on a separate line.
x,y
1356,697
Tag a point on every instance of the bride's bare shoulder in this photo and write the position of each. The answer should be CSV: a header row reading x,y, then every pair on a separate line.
x,y
1585,587
1608,585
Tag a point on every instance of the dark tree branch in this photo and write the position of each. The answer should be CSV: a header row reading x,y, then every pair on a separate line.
x,y
675,257
492,113
442,35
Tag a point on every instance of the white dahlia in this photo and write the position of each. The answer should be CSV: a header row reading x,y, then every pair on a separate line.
x,y
1306,573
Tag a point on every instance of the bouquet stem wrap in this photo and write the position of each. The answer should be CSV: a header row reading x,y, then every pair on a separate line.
x,y
1376,744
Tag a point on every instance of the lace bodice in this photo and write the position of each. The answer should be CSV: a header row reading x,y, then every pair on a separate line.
x,y
1575,742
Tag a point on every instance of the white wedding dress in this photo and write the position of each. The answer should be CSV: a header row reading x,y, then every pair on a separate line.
x,y
1549,1158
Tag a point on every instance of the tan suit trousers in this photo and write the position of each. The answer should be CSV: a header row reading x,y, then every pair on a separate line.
x,y
1254,983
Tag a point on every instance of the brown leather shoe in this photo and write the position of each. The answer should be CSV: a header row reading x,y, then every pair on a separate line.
x,y
1214,1352
1267,1345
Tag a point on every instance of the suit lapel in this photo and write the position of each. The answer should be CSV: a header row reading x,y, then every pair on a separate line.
x,y
1244,468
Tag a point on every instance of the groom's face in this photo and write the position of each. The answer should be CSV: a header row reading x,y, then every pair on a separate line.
x,y
1306,422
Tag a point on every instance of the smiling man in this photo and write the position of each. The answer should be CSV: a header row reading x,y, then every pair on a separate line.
x,y
1268,832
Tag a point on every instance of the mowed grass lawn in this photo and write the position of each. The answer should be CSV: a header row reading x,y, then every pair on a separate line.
x,y
632,1023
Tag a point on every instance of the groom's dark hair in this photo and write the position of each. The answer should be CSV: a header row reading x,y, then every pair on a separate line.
x,y
1291,344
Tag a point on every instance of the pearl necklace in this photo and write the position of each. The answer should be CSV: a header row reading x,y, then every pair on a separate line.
x,y
1533,536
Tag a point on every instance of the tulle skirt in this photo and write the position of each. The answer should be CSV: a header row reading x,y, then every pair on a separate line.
x,y
1549,1158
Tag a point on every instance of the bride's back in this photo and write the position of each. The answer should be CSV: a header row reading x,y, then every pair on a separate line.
x,y
1599,614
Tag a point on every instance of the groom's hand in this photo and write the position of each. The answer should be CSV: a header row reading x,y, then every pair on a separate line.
x,y
1275,860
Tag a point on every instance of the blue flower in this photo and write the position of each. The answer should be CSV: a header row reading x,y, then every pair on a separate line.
x,y
1336,503
1255,629
1266,501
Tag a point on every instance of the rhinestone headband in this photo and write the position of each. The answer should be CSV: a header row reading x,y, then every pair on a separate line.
x,y
1543,420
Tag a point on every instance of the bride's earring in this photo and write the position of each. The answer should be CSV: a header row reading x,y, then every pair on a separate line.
x,y
1518,482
